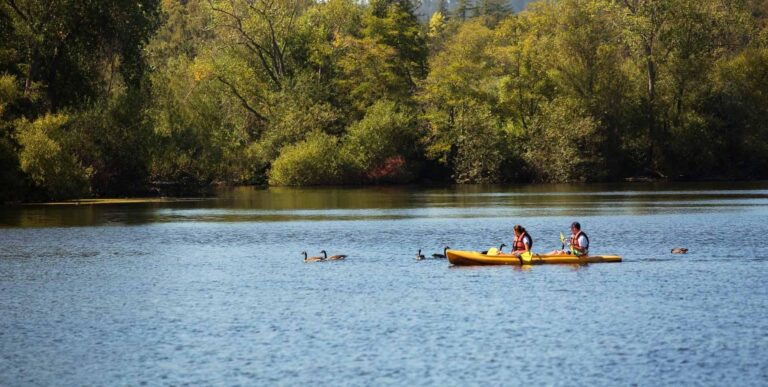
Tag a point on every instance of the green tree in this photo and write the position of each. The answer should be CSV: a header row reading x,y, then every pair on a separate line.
x,y
48,160
564,144
394,23
740,106
73,51
10,173
466,129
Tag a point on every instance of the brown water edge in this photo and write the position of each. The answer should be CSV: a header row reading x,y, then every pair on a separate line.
x,y
77,202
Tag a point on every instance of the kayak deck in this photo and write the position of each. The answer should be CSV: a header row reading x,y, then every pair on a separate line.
x,y
472,258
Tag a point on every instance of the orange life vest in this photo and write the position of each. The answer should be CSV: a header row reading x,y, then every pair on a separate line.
x,y
575,241
519,245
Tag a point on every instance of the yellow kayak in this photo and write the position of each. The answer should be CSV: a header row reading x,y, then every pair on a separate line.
x,y
471,258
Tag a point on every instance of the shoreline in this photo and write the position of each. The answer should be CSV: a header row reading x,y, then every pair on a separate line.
x,y
193,198
103,201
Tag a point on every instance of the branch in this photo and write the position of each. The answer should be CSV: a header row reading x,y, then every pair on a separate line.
x,y
241,98
15,7
252,44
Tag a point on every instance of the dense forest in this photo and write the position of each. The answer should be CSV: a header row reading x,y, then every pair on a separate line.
x,y
105,98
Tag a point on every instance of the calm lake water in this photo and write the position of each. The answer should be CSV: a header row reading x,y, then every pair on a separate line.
x,y
215,292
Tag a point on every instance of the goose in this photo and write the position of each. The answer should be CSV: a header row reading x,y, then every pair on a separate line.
x,y
333,257
311,259
502,247
679,250
419,256
443,255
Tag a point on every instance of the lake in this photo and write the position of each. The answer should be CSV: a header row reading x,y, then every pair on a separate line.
x,y
215,291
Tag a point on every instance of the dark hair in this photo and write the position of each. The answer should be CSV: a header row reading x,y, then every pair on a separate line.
x,y
576,225
519,228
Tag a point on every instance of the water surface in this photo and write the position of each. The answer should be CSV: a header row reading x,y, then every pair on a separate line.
x,y
214,291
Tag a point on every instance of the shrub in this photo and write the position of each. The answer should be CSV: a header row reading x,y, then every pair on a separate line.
x,y
378,144
314,161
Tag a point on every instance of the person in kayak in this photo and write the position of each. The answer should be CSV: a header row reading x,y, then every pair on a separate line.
x,y
578,243
523,241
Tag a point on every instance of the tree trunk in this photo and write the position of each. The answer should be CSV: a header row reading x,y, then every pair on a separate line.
x,y
651,110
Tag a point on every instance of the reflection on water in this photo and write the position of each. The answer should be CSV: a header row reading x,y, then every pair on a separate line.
x,y
214,292
392,203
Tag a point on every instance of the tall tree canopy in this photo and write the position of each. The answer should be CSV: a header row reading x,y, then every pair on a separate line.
x,y
117,97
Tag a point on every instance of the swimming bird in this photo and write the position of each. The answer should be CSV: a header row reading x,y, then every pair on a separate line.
x,y
333,257
443,255
419,256
312,259
502,246
679,250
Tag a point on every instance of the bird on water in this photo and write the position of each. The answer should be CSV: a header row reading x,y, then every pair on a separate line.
x,y
443,255
333,257
311,259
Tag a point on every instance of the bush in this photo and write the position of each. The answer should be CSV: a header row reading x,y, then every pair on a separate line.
x,y
314,161
50,165
378,144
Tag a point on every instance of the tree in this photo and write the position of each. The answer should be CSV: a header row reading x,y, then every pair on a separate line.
x,y
740,107
65,46
47,159
460,99
87,60
394,23
436,25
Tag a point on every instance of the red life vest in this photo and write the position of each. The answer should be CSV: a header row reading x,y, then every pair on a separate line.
x,y
519,245
575,241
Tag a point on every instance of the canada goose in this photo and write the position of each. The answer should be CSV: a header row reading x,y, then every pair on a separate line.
x,y
502,247
311,259
443,255
333,257
679,250
419,256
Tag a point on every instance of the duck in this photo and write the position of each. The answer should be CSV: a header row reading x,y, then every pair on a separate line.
x,y
419,256
312,259
333,257
443,255
679,250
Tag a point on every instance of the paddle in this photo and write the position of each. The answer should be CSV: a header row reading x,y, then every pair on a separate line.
x,y
526,256
562,241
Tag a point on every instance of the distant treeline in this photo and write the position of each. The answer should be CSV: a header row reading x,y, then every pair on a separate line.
x,y
102,98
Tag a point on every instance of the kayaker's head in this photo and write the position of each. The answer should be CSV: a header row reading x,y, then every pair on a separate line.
x,y
575,227
518,229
